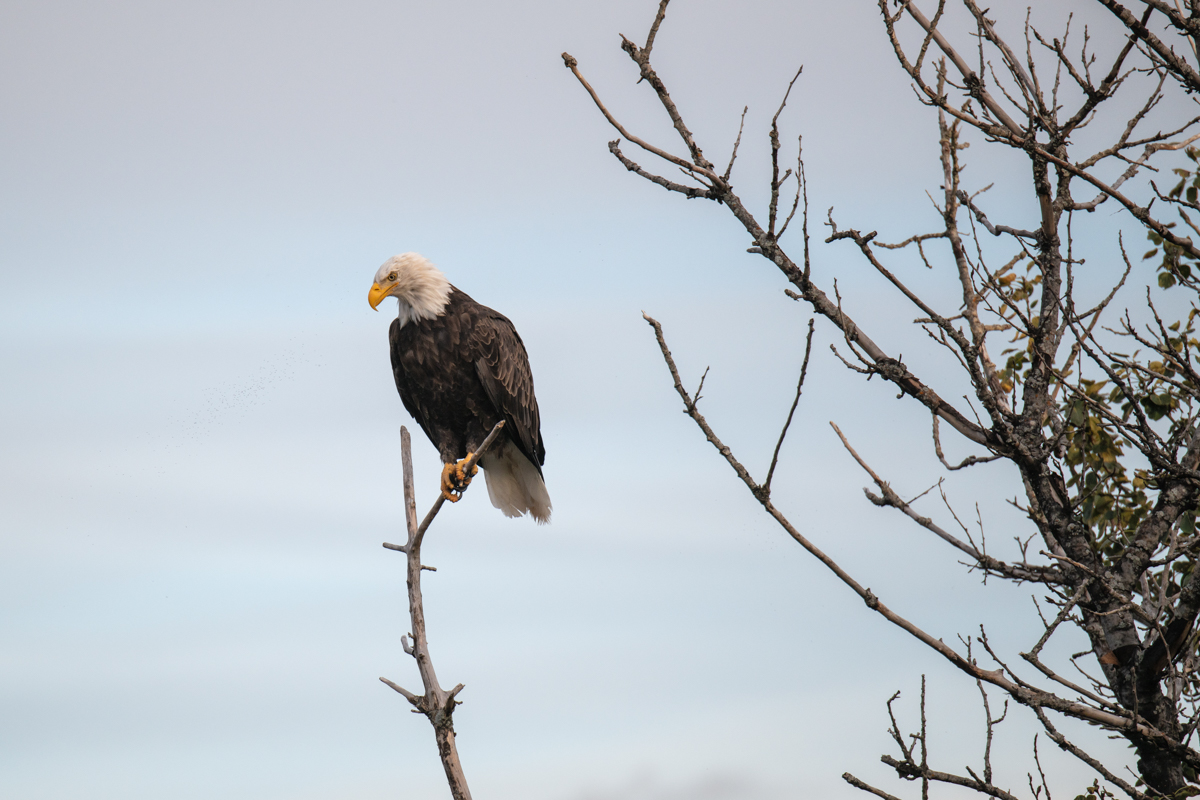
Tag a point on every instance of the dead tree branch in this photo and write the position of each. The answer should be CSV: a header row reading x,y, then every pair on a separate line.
x,y
436,703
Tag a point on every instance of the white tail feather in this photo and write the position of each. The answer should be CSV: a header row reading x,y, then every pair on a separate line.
x,y
513,483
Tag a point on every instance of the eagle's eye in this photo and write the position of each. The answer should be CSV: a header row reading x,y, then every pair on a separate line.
x,y
392,277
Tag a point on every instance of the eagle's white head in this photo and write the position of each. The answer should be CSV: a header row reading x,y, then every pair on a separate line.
x,y
420,287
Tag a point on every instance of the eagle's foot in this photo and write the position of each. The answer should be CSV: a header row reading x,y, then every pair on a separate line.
x,y
460,473
449,490
455,478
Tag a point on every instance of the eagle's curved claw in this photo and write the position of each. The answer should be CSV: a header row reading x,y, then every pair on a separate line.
x,y
455,478
451,488
460,473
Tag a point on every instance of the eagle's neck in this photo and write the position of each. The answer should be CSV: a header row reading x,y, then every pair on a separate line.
x,y
424,297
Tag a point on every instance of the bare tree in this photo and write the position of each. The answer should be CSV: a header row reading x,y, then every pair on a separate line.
x,y
1094,408
1163,35
436,703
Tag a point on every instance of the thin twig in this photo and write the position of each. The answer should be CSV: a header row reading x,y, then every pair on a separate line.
x,y
573,65
866,787
796,402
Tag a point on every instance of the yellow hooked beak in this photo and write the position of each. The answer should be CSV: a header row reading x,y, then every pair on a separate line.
x,y
376,295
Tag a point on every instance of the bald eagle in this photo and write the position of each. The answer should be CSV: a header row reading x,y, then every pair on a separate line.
x,y
460,368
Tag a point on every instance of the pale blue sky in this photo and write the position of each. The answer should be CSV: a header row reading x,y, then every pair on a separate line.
x,y
201,432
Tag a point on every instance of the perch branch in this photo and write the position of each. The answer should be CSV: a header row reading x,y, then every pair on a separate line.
x,y
467,467
436,704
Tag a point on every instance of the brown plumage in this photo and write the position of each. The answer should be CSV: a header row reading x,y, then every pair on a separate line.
x,y
491,381
461,367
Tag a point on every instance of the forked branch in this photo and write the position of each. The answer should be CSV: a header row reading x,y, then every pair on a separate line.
x,y
436,703
1021,691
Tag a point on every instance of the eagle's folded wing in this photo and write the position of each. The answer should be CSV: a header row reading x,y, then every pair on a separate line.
x,y
503,368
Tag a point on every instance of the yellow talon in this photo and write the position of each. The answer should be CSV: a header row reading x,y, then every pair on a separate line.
x,y
455,478
448,481
463,478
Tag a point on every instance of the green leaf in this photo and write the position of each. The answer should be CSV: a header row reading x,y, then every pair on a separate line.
x,y
1078,415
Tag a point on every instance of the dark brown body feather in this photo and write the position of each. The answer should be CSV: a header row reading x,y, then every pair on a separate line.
x,y
462,372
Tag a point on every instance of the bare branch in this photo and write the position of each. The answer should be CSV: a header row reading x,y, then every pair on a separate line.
x,y
1178,66
468,466
641,57
796,402
923,237
994,230
658,18
776,181
972,80
1062,742
706,171
436,704
409,696
969,461
866,787
687,191
736,143
907,769
1025,572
